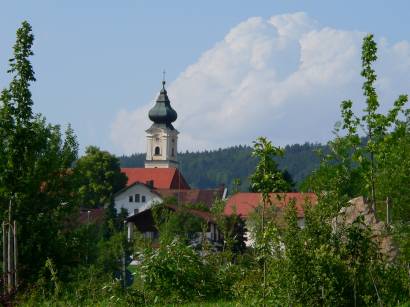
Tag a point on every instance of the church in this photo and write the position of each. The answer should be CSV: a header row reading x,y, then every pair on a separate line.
x,y
160,179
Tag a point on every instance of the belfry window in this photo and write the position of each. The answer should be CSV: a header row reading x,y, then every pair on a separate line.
x,y
157,151
173,153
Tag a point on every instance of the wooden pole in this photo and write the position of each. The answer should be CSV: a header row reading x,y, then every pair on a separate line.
x,y
10,259
5,264
387,210
10,252
15,253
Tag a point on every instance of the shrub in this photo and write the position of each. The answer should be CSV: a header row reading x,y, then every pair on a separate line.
x,y
175,273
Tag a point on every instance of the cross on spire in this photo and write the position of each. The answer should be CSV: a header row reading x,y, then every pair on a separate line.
x,y
163,78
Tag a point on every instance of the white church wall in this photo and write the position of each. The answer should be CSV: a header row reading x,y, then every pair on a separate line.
x,y
138,197
166,140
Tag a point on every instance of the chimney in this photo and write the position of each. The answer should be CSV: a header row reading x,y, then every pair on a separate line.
x,y
150,183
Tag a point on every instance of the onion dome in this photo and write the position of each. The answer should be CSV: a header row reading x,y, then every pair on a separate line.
x,y
162,112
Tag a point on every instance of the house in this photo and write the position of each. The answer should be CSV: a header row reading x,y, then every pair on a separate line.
x,y
245,204
139,217
145,224
138,197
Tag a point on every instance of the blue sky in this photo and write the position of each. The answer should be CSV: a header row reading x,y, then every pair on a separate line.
x,y
96,60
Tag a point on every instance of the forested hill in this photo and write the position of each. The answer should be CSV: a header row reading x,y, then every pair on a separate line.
x,y
208,169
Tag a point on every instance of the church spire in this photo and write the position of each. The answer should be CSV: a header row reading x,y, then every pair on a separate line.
x,y
162,137
162,112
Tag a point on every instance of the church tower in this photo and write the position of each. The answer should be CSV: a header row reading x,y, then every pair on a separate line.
x,y
162,137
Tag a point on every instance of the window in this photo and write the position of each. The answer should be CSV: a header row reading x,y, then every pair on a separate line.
x,y
157,151
173,151
136,211
130,199
173,141
137,198
143,200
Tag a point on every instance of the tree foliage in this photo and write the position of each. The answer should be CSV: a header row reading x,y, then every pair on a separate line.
x,y
370,157
98,176
34,159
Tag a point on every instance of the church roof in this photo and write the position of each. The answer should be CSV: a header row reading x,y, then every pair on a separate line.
x,y
158,178
162,112
245,203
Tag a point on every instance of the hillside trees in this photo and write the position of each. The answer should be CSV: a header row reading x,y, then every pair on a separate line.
x,y
208,169
34,159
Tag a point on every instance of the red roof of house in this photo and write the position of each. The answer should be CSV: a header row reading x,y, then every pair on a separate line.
x,y
194,196
245,203
207,216
163,178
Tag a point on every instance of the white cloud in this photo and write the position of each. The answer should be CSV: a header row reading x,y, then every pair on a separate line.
x,y
282,78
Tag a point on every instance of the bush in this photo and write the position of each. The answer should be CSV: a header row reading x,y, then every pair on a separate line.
x,y
175,273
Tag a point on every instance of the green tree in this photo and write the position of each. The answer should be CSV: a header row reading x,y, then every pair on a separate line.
x,y
175,273
375,125
180,223
371,159
98,176
34,159
366,164
231,227
265,180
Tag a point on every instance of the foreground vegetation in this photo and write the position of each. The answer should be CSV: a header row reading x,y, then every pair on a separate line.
x,y
63,262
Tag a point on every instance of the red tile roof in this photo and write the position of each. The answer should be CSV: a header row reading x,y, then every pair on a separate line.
x,y
193,196
245,203
207,216
163,178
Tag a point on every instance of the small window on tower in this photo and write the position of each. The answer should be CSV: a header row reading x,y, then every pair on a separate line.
x,y
157,151
173,151
173,140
